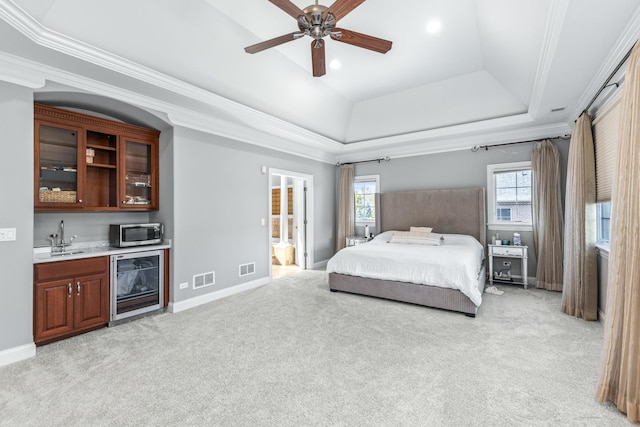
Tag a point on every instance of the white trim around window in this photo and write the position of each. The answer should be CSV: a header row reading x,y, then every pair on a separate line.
x,y
493,223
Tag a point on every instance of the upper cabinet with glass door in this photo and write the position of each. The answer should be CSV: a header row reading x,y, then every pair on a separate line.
x,y
57,166
140,177
88,163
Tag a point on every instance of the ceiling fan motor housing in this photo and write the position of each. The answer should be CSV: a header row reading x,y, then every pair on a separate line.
x,y
311,22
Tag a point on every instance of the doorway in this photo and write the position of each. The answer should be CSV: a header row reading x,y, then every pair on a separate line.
x,y
290,222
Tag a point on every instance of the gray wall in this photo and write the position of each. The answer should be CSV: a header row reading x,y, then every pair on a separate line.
x,y
220,198
16,211
459,169
165,214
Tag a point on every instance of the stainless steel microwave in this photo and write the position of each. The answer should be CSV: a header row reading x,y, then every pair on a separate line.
x,y
126,235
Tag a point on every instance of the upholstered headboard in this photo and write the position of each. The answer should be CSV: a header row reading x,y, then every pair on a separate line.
x,y
454,211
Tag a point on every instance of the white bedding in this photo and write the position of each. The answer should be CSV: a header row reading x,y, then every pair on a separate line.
x,y
455,264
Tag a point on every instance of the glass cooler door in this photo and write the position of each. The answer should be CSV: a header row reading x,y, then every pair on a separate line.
x,y
137,283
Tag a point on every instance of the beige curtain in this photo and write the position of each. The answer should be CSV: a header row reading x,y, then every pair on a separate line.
x,y
580,285
346,208
547,215
619,379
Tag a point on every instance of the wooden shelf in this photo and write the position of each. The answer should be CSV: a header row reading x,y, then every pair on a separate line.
x,y
100,165
101,147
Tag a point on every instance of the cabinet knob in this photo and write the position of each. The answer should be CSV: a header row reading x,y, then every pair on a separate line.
x,y
78,287
80,201
69,290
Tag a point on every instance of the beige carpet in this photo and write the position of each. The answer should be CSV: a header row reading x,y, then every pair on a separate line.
x,y
294,354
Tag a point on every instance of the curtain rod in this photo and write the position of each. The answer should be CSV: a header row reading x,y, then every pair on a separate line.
x,y
486,147
386,159
606,82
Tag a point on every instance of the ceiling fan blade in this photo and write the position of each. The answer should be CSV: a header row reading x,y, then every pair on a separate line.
x,y
288,7
259,47
318,58
362,40
341,7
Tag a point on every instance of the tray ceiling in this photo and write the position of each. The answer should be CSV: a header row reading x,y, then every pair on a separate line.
x,y
495,70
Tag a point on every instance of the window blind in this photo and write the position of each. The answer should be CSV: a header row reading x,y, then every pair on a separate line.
x,y
605,138
275,201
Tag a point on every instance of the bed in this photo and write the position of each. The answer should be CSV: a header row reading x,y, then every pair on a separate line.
x,y
454,213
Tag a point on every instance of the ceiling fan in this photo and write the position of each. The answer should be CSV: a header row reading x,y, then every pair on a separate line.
x,y
317,22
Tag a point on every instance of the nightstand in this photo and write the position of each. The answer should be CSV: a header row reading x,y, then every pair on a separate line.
x,y
503,251
357,240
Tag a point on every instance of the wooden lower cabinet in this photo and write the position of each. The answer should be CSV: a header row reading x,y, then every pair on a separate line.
x,y
70,297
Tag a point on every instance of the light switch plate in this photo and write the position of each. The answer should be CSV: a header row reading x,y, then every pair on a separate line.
x,y
7,234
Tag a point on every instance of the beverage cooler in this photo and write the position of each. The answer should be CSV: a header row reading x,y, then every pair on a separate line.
x,y
137,283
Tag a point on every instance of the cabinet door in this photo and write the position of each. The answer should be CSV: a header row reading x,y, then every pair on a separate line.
x,y
139,174
58,166
91,301
53,309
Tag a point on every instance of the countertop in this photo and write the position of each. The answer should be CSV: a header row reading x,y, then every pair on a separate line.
x,y
90,249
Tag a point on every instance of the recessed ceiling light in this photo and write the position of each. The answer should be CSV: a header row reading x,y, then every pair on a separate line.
x,y
335,64
433,26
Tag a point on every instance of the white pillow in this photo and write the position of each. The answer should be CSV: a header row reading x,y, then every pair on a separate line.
x,y
417,238
421,229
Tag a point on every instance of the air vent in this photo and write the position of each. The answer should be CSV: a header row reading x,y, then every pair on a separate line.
x,y
204,279
247,269
557,110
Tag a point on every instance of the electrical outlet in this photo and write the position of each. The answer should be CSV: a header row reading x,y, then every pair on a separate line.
x,y
7,234
506,263
184,285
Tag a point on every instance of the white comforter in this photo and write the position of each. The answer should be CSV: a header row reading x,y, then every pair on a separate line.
x,y
455,264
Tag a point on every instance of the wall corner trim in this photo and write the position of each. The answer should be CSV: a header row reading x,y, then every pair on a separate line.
x,y
176,307
16,354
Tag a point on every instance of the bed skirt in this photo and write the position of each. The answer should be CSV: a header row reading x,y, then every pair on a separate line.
x,y
425,295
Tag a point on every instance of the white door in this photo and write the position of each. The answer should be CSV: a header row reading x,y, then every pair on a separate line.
x,y
300,221
302,215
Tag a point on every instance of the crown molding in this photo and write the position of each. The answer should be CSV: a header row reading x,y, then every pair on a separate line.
x,y
207,124
629,36
442,133
555,21
14,71
457,143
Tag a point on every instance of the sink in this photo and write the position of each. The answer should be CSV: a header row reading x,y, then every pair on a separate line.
x,y
66,253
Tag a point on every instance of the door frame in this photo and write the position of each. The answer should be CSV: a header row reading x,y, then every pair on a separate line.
x,y
309,212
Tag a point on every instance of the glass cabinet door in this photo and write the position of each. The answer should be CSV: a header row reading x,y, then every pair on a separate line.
x,y
57,166
140,177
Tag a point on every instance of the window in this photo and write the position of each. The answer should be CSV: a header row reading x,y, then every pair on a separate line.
x,y
365,189
509,196
603,218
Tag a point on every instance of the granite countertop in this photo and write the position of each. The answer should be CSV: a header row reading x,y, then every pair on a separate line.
x,y
90,249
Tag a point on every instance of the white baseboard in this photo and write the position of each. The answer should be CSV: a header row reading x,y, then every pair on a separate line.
x,y
175,307
16,354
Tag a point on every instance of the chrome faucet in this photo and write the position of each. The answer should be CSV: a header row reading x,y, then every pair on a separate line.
x,y
60,245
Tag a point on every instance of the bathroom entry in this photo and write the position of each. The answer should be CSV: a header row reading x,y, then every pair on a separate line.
x,y
289,222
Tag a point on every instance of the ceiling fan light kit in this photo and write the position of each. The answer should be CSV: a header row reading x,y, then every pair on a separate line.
x,y
318,21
